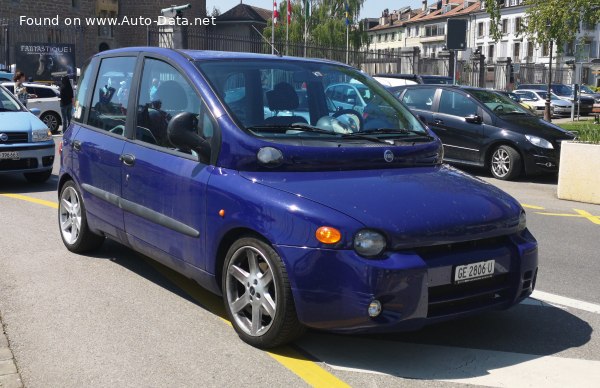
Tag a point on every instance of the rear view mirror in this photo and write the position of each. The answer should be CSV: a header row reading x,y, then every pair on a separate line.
x,y
474,119
182,132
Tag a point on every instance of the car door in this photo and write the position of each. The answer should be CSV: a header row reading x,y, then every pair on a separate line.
x,y
98,143
462,139
164,188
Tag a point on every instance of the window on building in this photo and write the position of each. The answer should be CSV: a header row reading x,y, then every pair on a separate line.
x,y
379,38
516,51
570,49
435,30
518,25
394,36
505,26
490,51
530,48
545,50
480,29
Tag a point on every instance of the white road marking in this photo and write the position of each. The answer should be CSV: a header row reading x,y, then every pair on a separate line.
x,y
451,364
564,301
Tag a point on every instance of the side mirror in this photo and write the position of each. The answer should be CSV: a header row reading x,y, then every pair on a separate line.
x,y
182,133
35,111
474,119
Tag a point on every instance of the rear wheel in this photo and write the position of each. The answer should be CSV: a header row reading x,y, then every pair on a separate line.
x,y
52,121
72,221
505,163
38,177
257,294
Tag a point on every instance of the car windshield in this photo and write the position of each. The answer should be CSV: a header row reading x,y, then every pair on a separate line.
x,y
8,103
543,96
302,99
562,90
501,105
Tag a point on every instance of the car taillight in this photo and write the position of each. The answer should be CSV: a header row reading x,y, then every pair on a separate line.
x,y
60,145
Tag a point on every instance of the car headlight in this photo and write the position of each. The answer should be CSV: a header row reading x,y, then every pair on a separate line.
x,y
369,243
539,142
41,135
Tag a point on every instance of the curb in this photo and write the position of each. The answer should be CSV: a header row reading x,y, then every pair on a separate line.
x,y
9,375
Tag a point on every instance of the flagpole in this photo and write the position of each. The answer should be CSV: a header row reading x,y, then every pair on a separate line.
x,y
287,28
273,28
306,14
347,43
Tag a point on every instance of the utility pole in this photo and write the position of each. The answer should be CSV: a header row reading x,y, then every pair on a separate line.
x,y
547,110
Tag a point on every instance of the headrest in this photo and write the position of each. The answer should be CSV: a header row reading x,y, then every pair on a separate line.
x,y
172,96
282,97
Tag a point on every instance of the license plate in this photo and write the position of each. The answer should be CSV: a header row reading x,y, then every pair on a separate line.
x,y
9,155
474,271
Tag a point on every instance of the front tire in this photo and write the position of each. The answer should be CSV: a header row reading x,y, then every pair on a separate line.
x,y
52,121
257,295
72,221
38,177
505,163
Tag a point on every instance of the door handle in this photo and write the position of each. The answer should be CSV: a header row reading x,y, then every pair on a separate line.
x,y
127,159
438,122
77,145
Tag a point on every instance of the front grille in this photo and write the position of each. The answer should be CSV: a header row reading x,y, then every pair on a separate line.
x,y
15,137
436,251
457,298
20,164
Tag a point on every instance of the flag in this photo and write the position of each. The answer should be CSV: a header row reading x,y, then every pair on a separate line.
x,y
347,14
289,11
275,13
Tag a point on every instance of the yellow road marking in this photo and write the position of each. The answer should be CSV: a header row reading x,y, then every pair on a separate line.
x,y
580,214
532,206
31,199
306,369
594,219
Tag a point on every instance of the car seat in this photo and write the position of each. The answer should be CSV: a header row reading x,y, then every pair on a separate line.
x,y
283,97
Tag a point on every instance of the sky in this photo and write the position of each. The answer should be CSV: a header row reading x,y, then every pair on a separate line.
x,y
371,8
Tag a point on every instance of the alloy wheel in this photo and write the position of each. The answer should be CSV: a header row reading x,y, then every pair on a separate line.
x,y
251,291
70,215
501,162
51,122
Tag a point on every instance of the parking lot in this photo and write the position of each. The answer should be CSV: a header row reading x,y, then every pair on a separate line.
x,y
118,319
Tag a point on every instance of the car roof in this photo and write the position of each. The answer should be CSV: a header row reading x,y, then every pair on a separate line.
x,y
199,55
32,84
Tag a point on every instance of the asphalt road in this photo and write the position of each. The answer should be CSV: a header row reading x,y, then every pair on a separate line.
x,y
117,319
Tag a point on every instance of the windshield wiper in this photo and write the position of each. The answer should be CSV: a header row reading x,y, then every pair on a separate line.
x,y
398,131
362,136
296,126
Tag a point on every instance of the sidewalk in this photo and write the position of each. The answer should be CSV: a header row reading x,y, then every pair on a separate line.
x,y
9,376
563,120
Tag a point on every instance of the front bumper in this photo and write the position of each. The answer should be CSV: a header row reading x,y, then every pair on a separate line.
x,y
33,157
539,160
333,288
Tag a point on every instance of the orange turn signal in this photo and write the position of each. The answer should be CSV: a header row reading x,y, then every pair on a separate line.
x,y
328,235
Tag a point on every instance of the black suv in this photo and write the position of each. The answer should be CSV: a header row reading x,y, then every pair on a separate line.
x,y
564,92
483,128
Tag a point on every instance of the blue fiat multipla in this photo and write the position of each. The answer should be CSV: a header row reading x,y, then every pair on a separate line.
x,y
239,172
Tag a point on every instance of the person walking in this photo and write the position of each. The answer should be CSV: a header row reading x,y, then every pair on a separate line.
x,y
66,101
20,89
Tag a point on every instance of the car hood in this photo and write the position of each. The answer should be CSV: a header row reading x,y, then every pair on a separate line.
x,y
417,206
20,122
536,126
561,102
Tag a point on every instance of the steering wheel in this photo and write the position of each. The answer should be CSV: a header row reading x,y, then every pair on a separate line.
x,y
354,120
499,108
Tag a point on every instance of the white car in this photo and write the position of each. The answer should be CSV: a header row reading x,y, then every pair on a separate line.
x,y
537,99
47,101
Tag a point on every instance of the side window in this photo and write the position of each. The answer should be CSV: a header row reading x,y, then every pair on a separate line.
x,y
42,92
109,102
164,93
456,104
82,88
420,98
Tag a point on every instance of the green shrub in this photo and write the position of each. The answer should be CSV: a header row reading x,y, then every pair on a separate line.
x,y
587,131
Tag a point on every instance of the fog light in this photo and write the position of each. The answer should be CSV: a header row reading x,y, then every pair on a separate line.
x,y
374,308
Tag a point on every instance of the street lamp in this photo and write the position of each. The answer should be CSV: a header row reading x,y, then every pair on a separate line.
x,y
547,112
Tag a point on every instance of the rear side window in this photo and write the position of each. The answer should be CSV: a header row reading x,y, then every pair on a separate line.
x,y
79,106
456,104
42,92
421,98
111,94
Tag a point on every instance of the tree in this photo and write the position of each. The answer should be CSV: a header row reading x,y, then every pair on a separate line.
x,y
546,20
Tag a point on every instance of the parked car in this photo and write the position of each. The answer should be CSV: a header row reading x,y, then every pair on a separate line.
x,y
349,96
47,101
483,128
537,98
564,92
588,92
297,223
412,79
6,75
26,145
